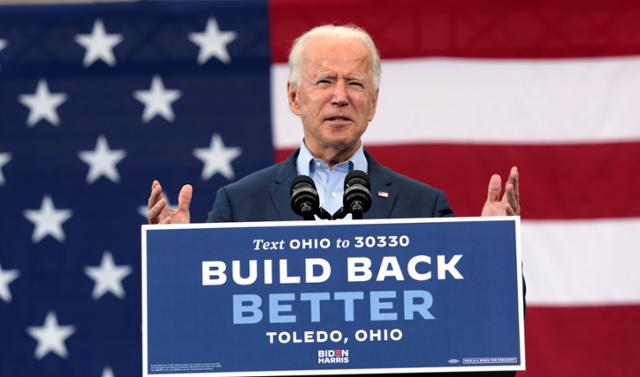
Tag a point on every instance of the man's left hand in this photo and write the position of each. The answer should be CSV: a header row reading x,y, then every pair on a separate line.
x,y
509,205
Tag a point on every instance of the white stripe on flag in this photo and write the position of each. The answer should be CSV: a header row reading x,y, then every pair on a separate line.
x,y
494,101
578,262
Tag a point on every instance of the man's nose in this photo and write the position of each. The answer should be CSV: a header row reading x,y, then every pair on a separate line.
x,y
340,95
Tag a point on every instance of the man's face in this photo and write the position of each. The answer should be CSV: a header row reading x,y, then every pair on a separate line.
x,y
335,97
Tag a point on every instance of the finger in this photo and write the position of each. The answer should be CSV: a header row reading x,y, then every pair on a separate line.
x,y
184,198
514,177
509,210
514,180
166,220
493,194
154,183
511,199
508,196
156,194
153,214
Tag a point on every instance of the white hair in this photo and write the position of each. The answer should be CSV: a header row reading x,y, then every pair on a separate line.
x,y
338,32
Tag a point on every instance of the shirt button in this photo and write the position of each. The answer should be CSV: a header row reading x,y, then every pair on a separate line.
x,y
334,195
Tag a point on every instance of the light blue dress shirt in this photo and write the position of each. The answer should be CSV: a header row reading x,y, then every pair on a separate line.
x,y
330,182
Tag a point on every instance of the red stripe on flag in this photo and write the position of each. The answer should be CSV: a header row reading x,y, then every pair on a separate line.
x,y
582,181
470,28
582,341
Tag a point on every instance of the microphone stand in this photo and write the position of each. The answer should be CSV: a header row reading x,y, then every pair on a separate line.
x,y
356,213
323,214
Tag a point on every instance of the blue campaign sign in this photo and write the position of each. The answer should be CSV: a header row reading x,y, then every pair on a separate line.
x,y
321,297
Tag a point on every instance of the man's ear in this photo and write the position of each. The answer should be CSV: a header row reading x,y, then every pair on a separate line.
x,y
292,96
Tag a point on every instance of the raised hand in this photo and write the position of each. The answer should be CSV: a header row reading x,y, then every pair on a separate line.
x,y
509,204
158,210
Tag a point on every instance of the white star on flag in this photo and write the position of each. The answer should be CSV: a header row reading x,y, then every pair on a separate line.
x,y
107,372
3,44
47,220
42,104
157,100
51,336
217,158
107,277
98,45
102,161
6,277
213,42
4,159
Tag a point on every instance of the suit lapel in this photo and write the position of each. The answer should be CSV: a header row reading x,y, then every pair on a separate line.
x,y
280,188
383,195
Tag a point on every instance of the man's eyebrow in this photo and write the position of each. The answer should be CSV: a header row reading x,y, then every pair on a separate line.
x,y
334,76
325,75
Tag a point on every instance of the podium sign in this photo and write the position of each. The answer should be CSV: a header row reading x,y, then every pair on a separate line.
x,y
339,297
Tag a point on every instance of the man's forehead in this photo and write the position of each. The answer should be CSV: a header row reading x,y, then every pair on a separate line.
x,y
321,54
321,44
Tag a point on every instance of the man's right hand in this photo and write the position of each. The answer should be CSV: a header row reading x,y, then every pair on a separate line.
x,y
158,210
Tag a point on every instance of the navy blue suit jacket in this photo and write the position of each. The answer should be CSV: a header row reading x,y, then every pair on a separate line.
x,y
265,196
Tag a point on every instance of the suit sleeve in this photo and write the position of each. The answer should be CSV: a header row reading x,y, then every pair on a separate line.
x,y
442,207
221,211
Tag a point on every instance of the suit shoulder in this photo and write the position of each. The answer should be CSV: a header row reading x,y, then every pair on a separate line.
x,y
256,181
247,199
415,198
407,184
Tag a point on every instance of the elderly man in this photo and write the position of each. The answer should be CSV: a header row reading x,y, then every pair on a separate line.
x,y
333,88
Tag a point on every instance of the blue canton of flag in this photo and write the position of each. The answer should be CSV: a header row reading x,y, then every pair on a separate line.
x,y
96,101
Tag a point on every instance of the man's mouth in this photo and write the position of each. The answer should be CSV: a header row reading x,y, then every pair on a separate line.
x,y
339,119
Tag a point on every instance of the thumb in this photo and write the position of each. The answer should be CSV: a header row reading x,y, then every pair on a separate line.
x,y
184,198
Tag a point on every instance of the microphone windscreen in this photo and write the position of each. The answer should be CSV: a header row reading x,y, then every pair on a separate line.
x,y
304,197
357,177
302,179
357,193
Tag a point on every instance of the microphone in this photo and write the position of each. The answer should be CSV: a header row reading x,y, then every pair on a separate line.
x,y
357,195
305,201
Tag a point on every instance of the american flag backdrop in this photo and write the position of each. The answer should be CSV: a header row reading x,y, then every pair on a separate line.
x,y
97,100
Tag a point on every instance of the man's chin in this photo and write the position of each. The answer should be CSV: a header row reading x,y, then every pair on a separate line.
x,y
344,144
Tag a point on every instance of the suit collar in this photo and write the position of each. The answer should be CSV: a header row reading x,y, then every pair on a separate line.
x,y
382,191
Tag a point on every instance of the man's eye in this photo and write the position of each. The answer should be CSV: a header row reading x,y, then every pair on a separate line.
x,y
357,84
